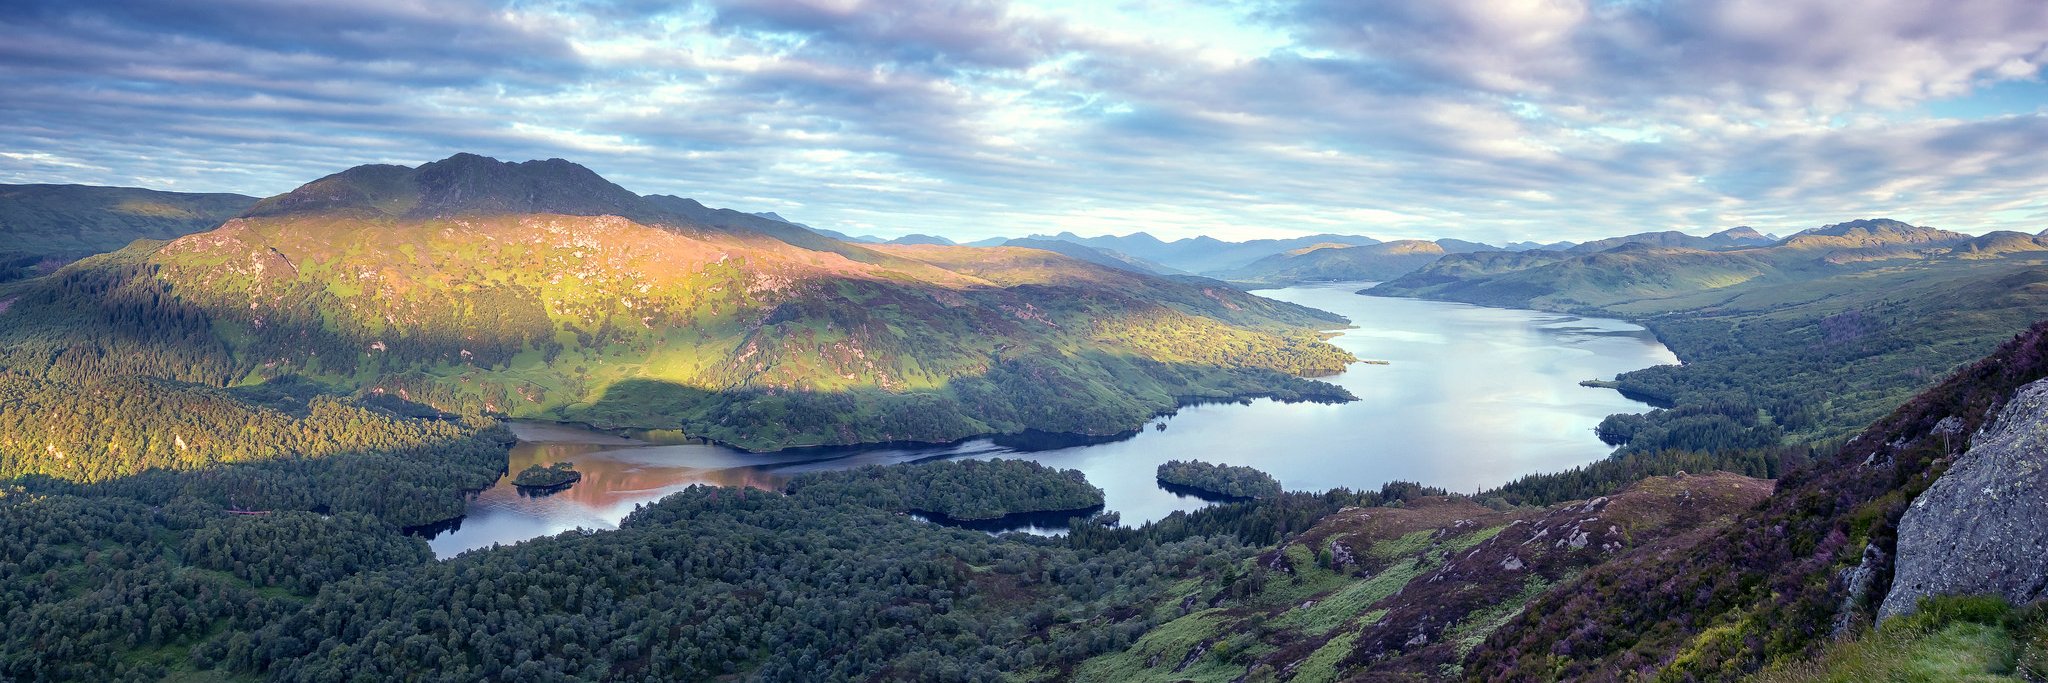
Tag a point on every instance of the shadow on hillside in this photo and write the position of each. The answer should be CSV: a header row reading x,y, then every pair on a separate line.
x,y
410,486
1034,402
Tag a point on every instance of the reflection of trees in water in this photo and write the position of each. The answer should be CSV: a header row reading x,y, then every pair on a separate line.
x,y
609,482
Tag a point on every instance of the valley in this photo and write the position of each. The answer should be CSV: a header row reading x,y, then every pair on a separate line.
x,y
1024,341
1523,368
287,447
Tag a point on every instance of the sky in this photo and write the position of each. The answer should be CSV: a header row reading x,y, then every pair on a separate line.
x,y
1488,120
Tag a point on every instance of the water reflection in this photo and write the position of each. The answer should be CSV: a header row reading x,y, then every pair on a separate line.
x,y
1472,397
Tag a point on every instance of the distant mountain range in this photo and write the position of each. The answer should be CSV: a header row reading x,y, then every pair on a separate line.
x,y
52,224
1336,262
1202,254
1105,257
1650,268
1726,239
1279,262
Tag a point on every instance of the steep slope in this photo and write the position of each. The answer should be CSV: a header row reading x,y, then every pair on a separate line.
x,y
1335,262
1814,561
1979,529
542,290
1405,593
45,226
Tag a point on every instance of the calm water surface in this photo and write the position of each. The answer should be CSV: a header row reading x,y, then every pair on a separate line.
x,y
1471,398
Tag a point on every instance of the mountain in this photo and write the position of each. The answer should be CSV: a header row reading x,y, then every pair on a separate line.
x,y
1101,257
1611,272
1726,239
1999,243
1457,246
1203,254
1743,236
44,226
915,238
1871,233
1338,262
1532,246
540,289
457,185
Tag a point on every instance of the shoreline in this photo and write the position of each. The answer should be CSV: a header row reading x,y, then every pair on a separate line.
x,y
617,435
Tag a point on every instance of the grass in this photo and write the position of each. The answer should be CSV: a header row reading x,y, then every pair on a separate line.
x,y
1351,601
1958,652
1969,639
1468,541
1468,634
1310,579
1170,643
1404,546
1321,666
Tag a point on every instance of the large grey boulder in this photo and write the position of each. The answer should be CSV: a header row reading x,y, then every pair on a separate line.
x,y
1982,528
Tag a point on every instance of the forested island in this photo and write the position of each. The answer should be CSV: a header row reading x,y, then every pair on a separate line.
x,y
964,490
1225,481
548,477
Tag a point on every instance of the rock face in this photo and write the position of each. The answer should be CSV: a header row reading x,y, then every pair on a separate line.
x,y
1983,526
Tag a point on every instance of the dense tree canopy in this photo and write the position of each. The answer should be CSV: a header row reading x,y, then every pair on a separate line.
x,y
1223,480
962,490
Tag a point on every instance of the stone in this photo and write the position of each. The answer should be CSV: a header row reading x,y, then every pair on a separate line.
x,y
1982,528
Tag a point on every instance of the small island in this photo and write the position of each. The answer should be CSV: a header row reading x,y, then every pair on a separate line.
x,y
1227,482
548,478
959,492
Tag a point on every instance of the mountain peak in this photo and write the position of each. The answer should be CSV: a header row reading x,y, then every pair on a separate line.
x,y
1862,224
1871,232
919,238
461,184
1741,232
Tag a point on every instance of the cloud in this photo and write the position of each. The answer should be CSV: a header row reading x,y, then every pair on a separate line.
x,y
1492,120
1825,54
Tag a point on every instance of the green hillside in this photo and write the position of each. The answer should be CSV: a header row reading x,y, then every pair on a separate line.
x,y
44,226
541,290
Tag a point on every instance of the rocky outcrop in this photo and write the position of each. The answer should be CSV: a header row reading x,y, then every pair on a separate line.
x,y
1982,528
